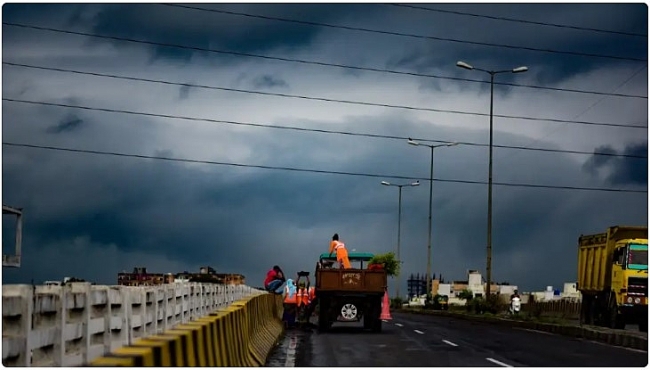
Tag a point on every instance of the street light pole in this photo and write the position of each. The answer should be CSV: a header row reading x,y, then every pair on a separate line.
x,y
413,142
430,224
399,224
488,267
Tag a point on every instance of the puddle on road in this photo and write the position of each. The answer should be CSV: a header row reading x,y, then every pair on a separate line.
x,y
284,355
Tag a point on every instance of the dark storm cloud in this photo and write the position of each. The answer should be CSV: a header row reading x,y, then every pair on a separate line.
x,y
622,170
546,67
203,29
68,124
216,215
269,81
106,214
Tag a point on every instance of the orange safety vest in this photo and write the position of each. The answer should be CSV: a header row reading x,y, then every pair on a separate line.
x,y
338,244
311,294
302,297
288,298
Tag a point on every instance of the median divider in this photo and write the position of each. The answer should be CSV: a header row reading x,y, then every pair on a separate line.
x,y
598,334
242,334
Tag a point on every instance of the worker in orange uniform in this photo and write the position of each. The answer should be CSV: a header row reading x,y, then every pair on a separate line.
x,y
290,304
302,295
311,293
341,253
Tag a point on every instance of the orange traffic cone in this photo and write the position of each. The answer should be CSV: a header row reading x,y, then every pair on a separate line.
x,y
385,308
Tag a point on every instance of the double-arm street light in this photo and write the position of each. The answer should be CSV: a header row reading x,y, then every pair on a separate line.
x,y
461,64
399,221
413,142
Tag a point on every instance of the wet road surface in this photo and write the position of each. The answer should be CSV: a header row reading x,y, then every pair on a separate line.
x,y
422,340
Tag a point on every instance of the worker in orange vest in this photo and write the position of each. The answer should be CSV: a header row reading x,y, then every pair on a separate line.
x,y
290,303
302,295
341,253
311,293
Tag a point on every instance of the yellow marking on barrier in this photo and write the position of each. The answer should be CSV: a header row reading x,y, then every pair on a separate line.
x,y
187,344
214,338
198,341
240,335
205,344
142,356
174,347
221,343
245,336
227,330
256,317
111,360
237,336
160,349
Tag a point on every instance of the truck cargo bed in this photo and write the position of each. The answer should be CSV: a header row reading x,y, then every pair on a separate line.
x,y
351,280
595,253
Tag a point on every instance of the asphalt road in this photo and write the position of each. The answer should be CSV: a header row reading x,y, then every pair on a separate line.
x,y
419,340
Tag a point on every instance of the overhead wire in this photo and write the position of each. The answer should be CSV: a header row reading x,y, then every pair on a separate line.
x,y
311,62
402,34
259,125
296,169
537,140
501,18
331,100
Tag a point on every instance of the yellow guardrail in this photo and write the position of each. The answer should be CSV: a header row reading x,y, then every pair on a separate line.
x,y
242,334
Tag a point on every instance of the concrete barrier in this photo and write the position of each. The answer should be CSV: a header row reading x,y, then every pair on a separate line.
x,y
74,324
597,334
242,334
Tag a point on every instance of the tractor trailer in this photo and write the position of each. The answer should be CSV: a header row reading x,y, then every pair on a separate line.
x,y
613,277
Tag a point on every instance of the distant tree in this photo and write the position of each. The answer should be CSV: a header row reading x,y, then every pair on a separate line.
x,y
466,294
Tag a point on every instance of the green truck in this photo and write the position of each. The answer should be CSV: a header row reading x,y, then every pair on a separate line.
x,y
613,277
349,295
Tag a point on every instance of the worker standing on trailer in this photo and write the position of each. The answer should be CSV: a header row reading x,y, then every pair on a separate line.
x,y
341,253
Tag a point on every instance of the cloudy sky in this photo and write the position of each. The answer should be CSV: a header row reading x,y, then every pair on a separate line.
x,y
162,135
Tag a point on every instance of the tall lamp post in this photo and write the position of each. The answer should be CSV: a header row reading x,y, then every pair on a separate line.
x,y
399,222
413,142
488,268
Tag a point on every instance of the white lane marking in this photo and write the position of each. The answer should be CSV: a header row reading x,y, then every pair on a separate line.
x,y
535,331
398,324
610,345
497,362
419,332
384,320
450,343
291,351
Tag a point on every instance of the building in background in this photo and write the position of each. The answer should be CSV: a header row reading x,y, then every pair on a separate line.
x,y
206,274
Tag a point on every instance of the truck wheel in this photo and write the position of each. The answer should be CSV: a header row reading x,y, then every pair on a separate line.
x,y
615,320
588,310
349,311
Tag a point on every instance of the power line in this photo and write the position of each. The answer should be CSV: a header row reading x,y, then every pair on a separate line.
x,y
522,20
329,100
316,63
583,112
349,28
293,128
281,168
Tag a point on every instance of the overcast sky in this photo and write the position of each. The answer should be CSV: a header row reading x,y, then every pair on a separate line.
x,y
211,72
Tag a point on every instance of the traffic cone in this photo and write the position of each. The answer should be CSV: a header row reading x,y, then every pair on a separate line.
x,y
385,308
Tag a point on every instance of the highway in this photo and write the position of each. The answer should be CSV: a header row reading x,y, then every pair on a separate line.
x,y
419,340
